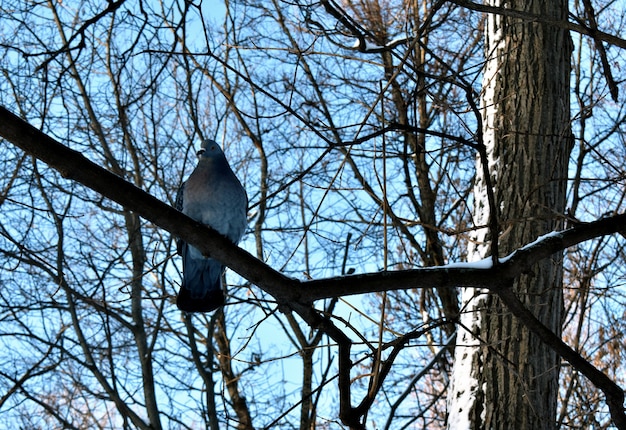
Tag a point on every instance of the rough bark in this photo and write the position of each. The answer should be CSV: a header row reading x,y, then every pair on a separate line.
x,y
527,137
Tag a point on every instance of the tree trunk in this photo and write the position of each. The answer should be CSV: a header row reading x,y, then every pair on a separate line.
x,y
504,377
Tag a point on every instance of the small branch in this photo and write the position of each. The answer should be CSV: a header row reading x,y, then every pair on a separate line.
x,y
614,394
395,126
579,28
297,295
112,7
593,31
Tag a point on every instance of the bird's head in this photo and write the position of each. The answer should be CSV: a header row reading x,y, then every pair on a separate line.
x,y
209,150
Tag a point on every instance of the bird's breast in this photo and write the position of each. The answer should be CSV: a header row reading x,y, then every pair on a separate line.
x,y
217,202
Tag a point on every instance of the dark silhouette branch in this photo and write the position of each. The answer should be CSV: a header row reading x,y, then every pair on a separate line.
x,y
568,25
285,290
299,295
73,165
67,46
614,394
593,31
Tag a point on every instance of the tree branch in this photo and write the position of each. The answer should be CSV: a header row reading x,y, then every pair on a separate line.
x,y
614,394
298,295
579,28
111,8
288,291
73,165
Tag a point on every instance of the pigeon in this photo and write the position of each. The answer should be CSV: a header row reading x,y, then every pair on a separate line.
x,y
213,196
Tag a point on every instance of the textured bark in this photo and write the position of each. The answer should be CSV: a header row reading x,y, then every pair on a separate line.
x,y
527,136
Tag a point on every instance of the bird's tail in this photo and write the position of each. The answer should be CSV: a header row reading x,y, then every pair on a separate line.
x,y
201,290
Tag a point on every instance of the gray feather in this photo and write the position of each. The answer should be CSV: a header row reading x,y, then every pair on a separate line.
x,y
213,196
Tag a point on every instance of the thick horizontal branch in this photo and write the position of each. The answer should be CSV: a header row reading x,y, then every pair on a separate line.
x,y
73,165
297,295
480,275
287,291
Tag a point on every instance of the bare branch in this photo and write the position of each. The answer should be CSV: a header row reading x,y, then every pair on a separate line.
x,y
297,295
579,28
